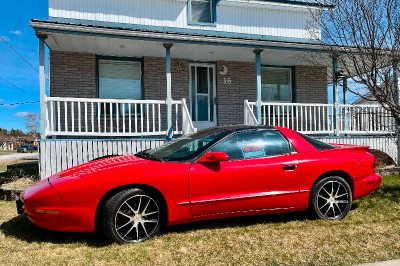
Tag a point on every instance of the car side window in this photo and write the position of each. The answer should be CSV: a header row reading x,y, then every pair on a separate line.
x,y
253,144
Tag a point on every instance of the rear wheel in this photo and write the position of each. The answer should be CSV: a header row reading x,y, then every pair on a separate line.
x,y
132,215
331,198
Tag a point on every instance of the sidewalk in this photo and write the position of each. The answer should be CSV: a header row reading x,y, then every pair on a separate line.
x,y
383,263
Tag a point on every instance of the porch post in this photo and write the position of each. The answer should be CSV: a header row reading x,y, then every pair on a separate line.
x,y
257,52
335,96
396,82
344,89
42,85
167,47
396,87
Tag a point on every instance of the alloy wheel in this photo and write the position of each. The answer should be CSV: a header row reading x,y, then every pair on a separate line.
x,y
137,218
333,200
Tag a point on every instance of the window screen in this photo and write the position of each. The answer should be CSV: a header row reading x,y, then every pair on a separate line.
x,y
276,84
119,80
201,11
253,144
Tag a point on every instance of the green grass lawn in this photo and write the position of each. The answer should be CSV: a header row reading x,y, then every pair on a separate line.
x,y
3,165
371,232
8,152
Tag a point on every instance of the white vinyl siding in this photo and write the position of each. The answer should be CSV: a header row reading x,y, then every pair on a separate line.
x,y
245,19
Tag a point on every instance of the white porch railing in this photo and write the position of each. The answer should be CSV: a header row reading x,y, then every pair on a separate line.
x,y
249,117
315,118
114,117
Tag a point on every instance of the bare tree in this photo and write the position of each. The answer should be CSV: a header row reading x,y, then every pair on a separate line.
x,y
32,124
364,37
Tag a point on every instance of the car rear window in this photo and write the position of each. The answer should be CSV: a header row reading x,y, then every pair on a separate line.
x,y
319,145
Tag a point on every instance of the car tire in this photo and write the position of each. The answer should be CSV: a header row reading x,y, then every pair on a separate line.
x,y
331,198
132,215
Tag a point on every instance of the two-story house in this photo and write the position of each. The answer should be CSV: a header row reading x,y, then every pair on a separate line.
x,y
154,69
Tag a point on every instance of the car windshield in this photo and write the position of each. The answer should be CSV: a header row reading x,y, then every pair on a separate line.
x,y
186,147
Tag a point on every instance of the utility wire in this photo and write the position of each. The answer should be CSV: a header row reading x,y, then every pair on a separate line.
x,y
6,81
23,58
4,104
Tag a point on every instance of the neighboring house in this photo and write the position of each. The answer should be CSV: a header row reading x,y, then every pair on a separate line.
x,y
367,99
9,142
160,68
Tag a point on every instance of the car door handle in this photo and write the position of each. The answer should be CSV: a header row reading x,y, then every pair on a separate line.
x,y
289,167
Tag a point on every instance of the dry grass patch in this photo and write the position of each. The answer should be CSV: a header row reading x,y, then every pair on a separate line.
x,y
370,233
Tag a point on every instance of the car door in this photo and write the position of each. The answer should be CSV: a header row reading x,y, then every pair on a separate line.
x,y
261,174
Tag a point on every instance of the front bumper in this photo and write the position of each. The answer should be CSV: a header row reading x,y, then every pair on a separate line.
x,y
20,205
44,208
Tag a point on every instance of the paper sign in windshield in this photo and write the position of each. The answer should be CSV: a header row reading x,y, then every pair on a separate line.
x,y
252,149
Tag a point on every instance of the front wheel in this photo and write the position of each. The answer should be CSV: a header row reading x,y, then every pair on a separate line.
x,y
131,215
331,198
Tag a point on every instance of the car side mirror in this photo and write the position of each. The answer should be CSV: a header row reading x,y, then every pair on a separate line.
x,y
214,157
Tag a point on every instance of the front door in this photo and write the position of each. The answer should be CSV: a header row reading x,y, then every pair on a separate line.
x,y
203,95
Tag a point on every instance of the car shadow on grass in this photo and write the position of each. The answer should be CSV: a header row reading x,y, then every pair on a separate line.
x,y
21,228
242,221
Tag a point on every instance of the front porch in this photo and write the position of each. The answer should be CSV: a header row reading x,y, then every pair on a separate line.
x,y
117,86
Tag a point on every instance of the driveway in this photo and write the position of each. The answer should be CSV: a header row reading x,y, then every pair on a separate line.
x,y
19,156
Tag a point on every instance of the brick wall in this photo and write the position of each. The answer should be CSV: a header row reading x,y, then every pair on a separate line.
x,y
72,75
155,81
231,96
311,84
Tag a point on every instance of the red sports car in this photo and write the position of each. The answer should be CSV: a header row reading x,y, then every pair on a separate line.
x,y
214,173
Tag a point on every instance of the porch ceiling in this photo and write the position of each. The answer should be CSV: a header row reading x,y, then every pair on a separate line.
x,y
196,52
135,43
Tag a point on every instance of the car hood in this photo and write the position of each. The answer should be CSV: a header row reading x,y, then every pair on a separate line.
x,y
83,170
89,182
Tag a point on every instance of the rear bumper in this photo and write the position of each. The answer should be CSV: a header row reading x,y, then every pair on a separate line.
x,y
70,217
366,185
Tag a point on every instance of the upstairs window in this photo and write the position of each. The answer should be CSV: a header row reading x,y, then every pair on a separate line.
x,y
201,11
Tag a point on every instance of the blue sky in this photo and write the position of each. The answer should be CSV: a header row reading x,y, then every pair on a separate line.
x,y
14,29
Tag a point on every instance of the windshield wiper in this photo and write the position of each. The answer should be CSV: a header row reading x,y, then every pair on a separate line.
x,y
145,155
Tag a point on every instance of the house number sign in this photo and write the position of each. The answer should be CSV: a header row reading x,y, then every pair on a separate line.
x,y
227,81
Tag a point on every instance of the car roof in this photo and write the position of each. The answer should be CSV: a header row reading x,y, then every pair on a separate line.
x,y
236,128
